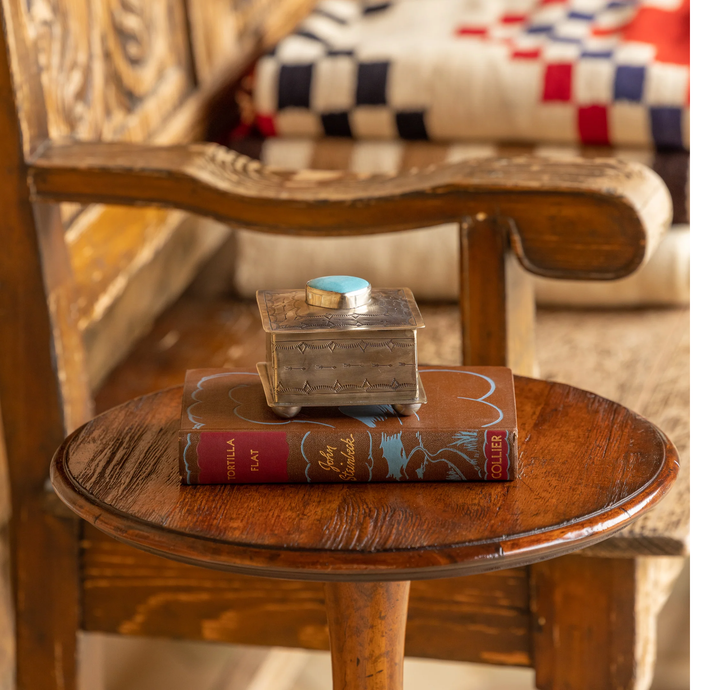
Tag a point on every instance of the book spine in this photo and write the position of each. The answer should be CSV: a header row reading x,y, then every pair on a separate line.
x,y
310,456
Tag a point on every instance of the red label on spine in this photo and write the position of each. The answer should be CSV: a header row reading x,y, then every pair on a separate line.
x,y
497,455
240,457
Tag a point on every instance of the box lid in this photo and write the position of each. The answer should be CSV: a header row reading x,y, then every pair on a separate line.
x,y
286,311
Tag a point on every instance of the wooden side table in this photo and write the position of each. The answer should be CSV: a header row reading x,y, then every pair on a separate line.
x,y
588,467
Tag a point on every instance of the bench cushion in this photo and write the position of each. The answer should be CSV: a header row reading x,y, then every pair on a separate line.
x,y
426,260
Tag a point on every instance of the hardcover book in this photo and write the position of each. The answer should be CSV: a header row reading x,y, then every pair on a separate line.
x,y
467,431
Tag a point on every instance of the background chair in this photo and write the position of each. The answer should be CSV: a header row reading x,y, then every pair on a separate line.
x,y
81,283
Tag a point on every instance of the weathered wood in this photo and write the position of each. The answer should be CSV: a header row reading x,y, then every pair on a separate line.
x,y
478,618
594,620
367,621
117,71
128,76
615,466
651,347
481,618
61,295
103,258
193,333
226,33
36,316
496,299
23,100
108,69
125,279
600,217
112,70
584,613
158,250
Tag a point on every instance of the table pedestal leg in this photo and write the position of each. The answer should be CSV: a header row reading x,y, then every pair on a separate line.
x,y
367,633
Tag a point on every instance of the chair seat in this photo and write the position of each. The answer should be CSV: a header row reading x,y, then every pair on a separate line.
x,y
587,467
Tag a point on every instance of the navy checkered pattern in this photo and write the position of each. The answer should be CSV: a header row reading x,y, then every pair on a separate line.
x,y
327,82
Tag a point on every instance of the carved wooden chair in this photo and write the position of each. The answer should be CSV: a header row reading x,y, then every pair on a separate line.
x,y
100,102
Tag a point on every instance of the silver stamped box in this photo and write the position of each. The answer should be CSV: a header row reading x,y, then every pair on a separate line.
x,y
323,356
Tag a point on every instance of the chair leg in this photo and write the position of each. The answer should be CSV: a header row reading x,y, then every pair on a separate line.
x,y
367,633
584,623
496,299
46,599
595,620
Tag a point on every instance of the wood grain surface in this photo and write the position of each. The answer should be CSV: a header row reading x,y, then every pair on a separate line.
x,y
478,618
95,69
601,217
366,622
43,392
587,467
497,301
228,32
636,357
125,279
584,634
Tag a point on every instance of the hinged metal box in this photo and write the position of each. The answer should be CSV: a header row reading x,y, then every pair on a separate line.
x,y
344,355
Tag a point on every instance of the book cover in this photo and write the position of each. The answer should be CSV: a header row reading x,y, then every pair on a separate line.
x,y
467,431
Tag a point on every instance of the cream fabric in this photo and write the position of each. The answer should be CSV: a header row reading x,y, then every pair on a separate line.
x,y
427,260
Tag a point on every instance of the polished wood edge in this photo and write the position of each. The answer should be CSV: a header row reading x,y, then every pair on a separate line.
x,y
447,560
212,180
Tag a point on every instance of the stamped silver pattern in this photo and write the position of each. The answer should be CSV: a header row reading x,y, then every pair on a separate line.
x,y
287,310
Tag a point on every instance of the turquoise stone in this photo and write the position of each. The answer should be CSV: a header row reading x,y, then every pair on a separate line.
x,y
341,284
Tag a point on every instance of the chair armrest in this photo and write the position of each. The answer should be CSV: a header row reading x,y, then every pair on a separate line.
x,y
577,219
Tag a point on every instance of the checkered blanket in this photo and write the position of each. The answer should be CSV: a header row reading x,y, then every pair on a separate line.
x,y
597,72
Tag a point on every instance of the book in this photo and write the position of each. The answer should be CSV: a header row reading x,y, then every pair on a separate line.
x,y
467,431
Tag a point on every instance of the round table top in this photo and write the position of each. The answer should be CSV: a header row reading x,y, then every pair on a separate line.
x,y
587,467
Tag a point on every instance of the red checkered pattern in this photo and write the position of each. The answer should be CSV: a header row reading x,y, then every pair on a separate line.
x,y
563,71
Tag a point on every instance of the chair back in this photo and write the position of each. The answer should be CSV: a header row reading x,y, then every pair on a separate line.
x,y
80,284
123,70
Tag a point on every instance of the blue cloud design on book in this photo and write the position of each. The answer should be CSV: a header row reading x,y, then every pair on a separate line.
x,y
370,415
461,457
195,418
